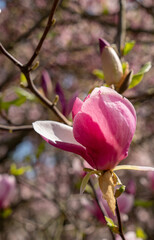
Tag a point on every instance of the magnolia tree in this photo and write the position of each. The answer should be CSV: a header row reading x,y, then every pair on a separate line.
x,y
96,124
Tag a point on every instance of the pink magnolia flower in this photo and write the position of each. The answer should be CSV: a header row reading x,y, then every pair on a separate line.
x,y
103,128
7,190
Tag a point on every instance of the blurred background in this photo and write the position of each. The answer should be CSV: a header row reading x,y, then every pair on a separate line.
x,y
39,185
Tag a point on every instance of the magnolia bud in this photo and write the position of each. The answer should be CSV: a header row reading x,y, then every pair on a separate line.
x,y
111,63
46,84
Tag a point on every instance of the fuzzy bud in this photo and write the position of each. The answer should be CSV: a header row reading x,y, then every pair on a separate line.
x,y
111,64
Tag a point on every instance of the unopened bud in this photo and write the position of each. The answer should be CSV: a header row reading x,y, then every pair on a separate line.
x,y
102,44
111,64
46,84
35,66
55,101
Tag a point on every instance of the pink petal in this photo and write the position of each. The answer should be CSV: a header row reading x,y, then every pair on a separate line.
x,y
71,102
102,44
76,107
99,127
59,135
46,84
88,133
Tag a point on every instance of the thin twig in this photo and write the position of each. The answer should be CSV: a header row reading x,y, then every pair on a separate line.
x,y
48,26
44,100
119,222
15,128
104,213
26,34
9,56
25,69
31,86
142,97
149,9
121,33
120,44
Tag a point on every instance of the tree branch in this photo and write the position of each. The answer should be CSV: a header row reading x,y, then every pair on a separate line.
x,y
121,33
25,69
119,222
142,97
9,56
102,209
48,26
15,128
149,9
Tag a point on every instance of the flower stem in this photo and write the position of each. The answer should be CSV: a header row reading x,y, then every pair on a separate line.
x,y
100,206
119,222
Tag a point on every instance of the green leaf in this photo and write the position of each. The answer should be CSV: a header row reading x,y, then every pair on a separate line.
x,y
85,180
128,47
140,233
20,171
138,77
109,222
17,102
124,66
112,225
98,73
6,212
119,191
23,93
145,68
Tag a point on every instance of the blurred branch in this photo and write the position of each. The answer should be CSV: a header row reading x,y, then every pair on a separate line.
x,y
97,18
25,69
141,98
11,143
150,9
9,56
29,32
105,22
121,33
15,128
48,26
142,140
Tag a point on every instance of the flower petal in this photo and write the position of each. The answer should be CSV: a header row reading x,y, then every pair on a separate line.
x,y
88,133
99,124
76,107
102,44
59,135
